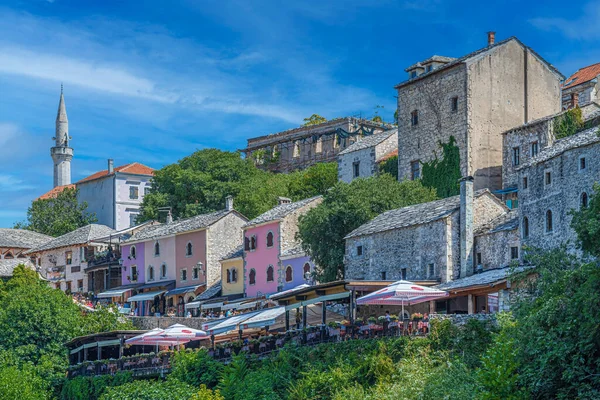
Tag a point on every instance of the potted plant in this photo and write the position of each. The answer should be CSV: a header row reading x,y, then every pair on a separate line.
x,y
417,316
372,320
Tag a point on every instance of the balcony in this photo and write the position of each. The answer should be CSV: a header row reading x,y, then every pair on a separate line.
x,y
105,258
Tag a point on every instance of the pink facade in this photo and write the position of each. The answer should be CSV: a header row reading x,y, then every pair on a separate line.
x,y
163,263
260,259
190,249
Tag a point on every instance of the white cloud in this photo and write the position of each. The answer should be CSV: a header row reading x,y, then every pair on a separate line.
x,y
585,27
10,183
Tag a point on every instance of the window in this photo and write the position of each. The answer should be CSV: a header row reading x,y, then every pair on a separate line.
x,y
383,275
289,273
134,273
296,150
156,249
184,274
75,269
68,288
525,227
228,278
69,257
151,273
413,74
252,277
306,269
356,169
534,149
478,259
525,183
318,144
584,200
359,250
189,249
163,271
132,219
514,253
132,252
431,270
234,275
246,243
414,118
253,242
454,104
80,285
134,192
270,277
428,68
403,274
415,170
549,226
548,179
195,273
582,163
515,156
270,239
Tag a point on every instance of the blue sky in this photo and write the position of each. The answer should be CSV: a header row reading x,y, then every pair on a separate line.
x,y
153,81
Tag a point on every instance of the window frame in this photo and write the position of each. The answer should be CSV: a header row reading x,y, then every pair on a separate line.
x,y
359,250
68,257
272,239
134,192
189,249
134,273
454,104
356,169
291,274
525,227
384,275
252,277
516,156
195,273
514,252
547,177
431,270
549,221
270,271
156,249
132,252
414,118
584,200
183,275
534,148
151,276
582,164
415,170
404,274
234,275
525,183
163,271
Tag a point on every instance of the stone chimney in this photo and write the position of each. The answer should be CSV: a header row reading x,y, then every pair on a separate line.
x,y
574,99
491,38
111,166
284,200
229,203
169,217
466,226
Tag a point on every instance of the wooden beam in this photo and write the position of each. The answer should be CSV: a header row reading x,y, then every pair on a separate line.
x,y
301,298
321,292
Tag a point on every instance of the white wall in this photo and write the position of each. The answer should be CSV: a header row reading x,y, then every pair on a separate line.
x,y
125,206
99,196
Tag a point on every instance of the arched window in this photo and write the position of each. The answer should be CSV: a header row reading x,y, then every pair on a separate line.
x,y
132,252
289,273
188,249
584,200
252,277
549,226
270,274
525,227
234,275
163,271
270,239
306,269
253,242
151,273
156,249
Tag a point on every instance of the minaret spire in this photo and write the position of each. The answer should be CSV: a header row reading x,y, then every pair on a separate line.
x,y
61,152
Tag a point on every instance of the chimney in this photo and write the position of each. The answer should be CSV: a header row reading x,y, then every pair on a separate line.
x,y
491,38
229,203
284,200
574,99
111,168
169,217
466,226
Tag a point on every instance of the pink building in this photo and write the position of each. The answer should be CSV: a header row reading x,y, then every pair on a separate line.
x,y
266,238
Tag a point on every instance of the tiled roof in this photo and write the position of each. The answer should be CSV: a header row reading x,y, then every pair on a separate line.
x,y
410,216
294,251
184,225
281,211
584,138
506,222
213,291
235,253
582,75
55,192
485,278
132,168
21,238
369,141
431,59
8,266
82,235
391,154
474,54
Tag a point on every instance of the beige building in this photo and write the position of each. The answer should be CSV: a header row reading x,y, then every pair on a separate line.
x,y
474,99
232,268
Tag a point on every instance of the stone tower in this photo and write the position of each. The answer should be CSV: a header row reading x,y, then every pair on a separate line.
x,y
61,153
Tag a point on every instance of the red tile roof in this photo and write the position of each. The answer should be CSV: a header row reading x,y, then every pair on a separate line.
x,y
132,168
388,155
55,192
583,75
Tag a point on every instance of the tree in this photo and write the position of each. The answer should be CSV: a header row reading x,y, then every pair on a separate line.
x,y
586,222
22,383
347,206
58,215
389,166
314,119
150,390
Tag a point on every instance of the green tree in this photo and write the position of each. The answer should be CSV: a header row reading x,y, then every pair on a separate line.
x,y
569,123
196,368
22,384
443,174
57,216
586,222
150,390
314,119
389,166
347,206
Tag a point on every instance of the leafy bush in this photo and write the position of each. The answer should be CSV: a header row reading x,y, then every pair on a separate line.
x,y
196,368
150,390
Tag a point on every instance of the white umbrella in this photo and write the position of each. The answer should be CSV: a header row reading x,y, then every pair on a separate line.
x,y
179,333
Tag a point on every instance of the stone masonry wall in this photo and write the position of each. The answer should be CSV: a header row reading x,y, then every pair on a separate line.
x,y
222,237
387,146
495,248
367,164
289,226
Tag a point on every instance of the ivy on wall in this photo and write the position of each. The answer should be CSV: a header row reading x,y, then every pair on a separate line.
x,y
443,173
389,166
568,123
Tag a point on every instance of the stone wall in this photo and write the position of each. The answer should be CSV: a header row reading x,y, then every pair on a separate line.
x,y
223,237
289,226
495,248
367,164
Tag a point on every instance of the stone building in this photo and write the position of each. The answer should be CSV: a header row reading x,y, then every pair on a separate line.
x,y
14,243
497,244
304,146
362,158
581,88
474,99
267,238
559,179
428,241
524,142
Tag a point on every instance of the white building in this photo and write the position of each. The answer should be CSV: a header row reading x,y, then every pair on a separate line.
x,y
361,159
581,88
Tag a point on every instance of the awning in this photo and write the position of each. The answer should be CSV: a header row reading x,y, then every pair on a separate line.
x,y
113,293
507,190
157,284
211,305
145,296
230,323
264,318
193,304
329,297
182,290
239,306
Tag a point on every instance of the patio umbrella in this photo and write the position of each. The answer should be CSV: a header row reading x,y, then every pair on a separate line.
x,y
401,293
180,334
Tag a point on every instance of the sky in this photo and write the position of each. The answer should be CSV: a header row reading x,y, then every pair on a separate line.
x,y
154,81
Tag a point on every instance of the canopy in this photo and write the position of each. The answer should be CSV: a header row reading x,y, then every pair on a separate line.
x,y
139,339
113,293
182,290
145,296
211,305
181,332
238,306
229,324
265,318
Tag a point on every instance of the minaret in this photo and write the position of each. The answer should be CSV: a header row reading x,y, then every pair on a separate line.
x,y
61,153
